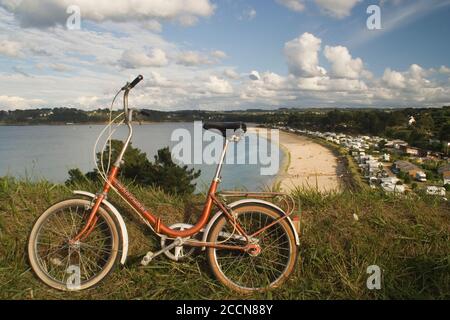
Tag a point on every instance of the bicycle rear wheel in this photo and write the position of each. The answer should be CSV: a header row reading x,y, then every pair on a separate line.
x,y
78,266
248,272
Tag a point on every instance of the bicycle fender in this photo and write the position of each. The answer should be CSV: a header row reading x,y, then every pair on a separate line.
x,y
250,201
118,216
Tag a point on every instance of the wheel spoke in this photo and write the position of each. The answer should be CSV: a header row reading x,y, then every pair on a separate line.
x,y
267,266
54,253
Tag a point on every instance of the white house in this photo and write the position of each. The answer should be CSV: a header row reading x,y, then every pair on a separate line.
x,y
390,180
394,188
386,157
436,191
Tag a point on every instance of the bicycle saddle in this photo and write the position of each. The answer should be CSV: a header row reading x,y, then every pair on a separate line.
x,y
224,126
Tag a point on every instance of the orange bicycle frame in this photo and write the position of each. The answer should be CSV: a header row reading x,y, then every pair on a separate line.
x,y
156,223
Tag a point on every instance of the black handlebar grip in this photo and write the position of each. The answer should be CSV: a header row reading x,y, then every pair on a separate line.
x,y
135,82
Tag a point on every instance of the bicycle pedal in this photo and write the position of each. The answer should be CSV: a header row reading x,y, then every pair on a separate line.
x,y
147,258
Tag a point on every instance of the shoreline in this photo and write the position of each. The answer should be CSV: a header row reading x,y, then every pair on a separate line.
x,y
62,124
306,165
311,165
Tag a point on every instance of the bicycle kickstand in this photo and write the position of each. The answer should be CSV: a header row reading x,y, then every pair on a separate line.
x,y
151,255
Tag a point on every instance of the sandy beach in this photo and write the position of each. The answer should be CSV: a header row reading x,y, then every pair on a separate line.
x,y
307,164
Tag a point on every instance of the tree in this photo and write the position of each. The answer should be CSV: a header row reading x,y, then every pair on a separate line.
x,y
397,118
163,173
444,134
76,176
425,122
418,138
382,145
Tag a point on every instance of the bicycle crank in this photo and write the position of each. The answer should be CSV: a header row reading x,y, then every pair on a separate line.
x,y
151,255
179,252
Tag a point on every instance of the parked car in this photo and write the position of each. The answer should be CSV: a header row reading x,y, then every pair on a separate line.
x,y
421,176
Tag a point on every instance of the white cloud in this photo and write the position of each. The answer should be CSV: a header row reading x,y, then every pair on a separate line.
x,y
192,58
339,9
249,14
89,101
302,56
219,54
335,8
294,5
93,55
417,72
394,79
14,102
413,79
132,59
268,87
444,70
219,86
345,85
10,49
252,14
342,63
231,74
188,20
309,84
155,79
152,25
58,67
49,13
272,80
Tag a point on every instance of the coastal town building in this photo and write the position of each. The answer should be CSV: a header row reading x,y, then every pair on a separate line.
x,y
412,151
411,169
436,191
373,155
446,177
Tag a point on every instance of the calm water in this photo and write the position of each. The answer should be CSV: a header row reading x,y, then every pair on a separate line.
x,y
50,151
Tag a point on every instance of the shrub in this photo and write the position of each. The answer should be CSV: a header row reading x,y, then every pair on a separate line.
x,y
163,173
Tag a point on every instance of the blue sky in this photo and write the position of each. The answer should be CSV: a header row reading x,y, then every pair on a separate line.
x,y
258,43
226,54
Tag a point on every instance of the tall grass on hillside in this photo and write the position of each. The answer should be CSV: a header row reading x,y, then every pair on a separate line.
x,y
408,238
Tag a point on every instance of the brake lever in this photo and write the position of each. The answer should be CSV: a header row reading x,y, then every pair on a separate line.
x,y
126,87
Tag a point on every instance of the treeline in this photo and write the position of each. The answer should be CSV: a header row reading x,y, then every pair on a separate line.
x,y
429,129
70,115
52,116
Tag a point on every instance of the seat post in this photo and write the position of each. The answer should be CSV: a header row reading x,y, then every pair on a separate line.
x,y
222,159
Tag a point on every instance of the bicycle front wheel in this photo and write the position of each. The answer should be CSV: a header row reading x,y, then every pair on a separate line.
x,y
72,266
266,268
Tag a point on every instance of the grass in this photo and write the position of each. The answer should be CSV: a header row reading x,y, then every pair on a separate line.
x,y
407,237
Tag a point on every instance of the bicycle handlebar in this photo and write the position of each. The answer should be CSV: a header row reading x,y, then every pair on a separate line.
x,y
133,84
127,88
136,81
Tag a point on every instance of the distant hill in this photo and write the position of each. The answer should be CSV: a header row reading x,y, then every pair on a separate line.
x,y
430,129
